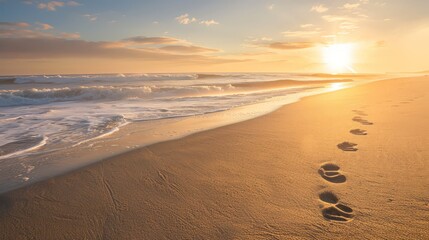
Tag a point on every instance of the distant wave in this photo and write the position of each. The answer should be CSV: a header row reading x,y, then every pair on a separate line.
x,y
285,83
212,76
100,78
36,96
64,79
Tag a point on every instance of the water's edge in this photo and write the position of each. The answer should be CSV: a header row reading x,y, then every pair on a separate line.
x,y
142,134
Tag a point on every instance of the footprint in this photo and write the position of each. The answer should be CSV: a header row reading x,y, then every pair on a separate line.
x,y
331,173
359,112
362,121
358,132
333,210
347,146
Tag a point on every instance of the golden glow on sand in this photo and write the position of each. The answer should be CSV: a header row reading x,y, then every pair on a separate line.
x,y
338,58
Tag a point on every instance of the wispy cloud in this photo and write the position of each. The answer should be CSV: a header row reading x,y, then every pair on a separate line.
x,y
185,19
53,5
308,25
44,26
62,48
50,6
301,34
351,5
209,22
73,3
14,24
291,45
69,35
337,18
91,17
37,30
152,40
188,49
319,8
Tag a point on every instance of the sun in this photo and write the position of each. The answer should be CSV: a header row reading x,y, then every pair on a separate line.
x,y
338,57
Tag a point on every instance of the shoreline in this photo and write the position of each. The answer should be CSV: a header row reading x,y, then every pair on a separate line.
x,y
253,179
140,134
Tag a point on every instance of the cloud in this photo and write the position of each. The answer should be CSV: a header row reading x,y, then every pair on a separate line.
x,y
152,40
44,26
209,22
20,41
271,7
25,30
338,18
319,8
69,35
58,48
53,5
90,17
307,25
21,33
351,5
14,24
300,34
166,44
188,49
265,42
291,45
50,6
185,19
73,3
348,26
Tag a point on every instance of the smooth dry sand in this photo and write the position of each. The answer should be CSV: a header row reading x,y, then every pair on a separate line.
x,y
265,178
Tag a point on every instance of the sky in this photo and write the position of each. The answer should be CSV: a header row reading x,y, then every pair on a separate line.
x,y
130,36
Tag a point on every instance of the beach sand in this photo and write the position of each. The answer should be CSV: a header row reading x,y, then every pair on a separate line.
x,y
352,164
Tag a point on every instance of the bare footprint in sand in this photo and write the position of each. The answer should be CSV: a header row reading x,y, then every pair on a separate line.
x,y
333,210
359,112
362,121
358,132
331,173
347,146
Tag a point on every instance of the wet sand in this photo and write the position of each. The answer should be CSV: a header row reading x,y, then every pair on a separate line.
x,y
348,164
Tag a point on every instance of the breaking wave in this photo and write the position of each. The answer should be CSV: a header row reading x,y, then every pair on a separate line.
x,y
37,96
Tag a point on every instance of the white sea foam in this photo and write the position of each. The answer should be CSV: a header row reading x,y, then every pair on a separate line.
x,y
25,150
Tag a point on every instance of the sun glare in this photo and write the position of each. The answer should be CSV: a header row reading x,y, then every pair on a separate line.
x,y
338,57
336,86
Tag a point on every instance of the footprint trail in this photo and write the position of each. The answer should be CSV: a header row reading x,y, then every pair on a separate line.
x,y
358,132
333,210
331,173
348,146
